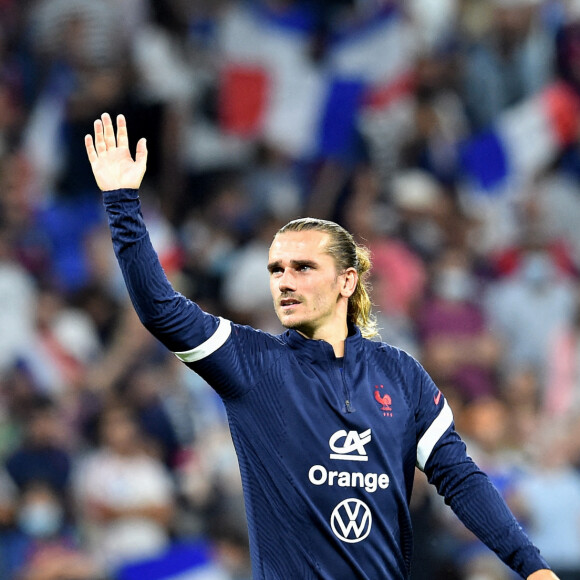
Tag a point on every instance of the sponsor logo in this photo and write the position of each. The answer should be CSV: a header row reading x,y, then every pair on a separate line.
x,y
437,398
353,445
384,400
370,482
351,520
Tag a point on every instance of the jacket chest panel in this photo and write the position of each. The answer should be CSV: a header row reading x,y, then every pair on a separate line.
x,y
324,411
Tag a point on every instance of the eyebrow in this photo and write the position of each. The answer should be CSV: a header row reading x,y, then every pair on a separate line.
x,y
293,263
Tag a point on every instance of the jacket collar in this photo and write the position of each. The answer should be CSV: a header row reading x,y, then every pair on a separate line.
x,y
317,350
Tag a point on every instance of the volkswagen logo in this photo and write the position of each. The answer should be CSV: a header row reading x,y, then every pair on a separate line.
x,y
351,520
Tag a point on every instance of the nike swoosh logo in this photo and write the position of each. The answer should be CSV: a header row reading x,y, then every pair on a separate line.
x,y
437,398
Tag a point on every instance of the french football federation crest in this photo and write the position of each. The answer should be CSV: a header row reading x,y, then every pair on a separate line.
x,y
384,400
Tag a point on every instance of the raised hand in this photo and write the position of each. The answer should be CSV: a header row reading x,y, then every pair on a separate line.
x,y
110,158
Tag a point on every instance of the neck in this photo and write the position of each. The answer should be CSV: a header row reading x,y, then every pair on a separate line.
x,y
333,337
338,348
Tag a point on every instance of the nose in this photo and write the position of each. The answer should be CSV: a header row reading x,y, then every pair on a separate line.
x,y
287,281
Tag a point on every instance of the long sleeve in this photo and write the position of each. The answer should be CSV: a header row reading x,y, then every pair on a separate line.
x,y
478,504
172,318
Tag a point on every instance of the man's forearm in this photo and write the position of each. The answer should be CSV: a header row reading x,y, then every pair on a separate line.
x,y
168,315
480,507
483,511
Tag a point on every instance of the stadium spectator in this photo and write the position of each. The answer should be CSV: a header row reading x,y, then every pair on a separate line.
x,y
457,344
124,495
513,60
562,388
43,453
526,308
44,544
553,521
20,294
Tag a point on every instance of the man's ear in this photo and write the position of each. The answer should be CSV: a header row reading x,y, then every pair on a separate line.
x,y
349,282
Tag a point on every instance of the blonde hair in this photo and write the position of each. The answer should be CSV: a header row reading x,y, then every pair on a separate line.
x,y
347,254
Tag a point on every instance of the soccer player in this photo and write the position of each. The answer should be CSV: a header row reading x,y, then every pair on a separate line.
x,y
328,425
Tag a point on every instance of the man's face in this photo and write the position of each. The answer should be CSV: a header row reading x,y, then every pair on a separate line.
x,y
305,285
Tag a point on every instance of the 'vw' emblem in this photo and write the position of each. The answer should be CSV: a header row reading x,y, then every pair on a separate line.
x,y
351,521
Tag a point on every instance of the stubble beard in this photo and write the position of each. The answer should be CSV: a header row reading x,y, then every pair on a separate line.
x,y
287,321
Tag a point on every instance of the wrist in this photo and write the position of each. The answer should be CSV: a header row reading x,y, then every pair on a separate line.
x,y
116,195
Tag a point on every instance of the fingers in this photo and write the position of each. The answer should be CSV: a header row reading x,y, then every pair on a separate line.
x,y
105,133
90,147
141,152
109,131
111,161
122,136
105,136
100,144
141,157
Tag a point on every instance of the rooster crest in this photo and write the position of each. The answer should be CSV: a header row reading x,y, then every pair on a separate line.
x,y
384,400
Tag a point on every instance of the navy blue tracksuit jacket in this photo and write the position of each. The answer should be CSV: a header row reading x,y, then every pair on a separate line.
x,y
327,447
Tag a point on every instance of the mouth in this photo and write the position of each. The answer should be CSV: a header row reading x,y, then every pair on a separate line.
x,y
287,303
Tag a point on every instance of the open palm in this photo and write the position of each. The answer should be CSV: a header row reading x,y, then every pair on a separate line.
x,y
110,158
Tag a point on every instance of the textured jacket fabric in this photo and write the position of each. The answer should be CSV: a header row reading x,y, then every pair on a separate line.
x,y
327,447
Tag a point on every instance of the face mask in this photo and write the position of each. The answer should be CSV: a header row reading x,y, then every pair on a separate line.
x,y
40,519
454,284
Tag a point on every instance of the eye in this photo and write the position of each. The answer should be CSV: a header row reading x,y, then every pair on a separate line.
x,y
304,268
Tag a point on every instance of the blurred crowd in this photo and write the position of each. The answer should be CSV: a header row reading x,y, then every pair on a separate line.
x,y
115,460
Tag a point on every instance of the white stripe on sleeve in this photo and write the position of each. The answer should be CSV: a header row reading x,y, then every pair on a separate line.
x,y
215,341
433,434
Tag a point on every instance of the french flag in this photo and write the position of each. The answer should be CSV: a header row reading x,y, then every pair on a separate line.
x,y
271,87
524,141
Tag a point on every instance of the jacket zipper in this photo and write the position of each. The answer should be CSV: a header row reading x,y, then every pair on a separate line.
x,y
348,408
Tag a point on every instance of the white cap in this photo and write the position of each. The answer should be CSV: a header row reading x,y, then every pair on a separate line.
x,y
77,334
415,189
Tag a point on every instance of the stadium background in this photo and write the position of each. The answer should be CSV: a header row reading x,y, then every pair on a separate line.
x,y
443,133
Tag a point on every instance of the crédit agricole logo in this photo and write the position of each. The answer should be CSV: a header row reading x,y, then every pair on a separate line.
x,y
351,520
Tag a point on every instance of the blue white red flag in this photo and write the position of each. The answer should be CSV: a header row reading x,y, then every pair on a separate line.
x,y
271,88
523,142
